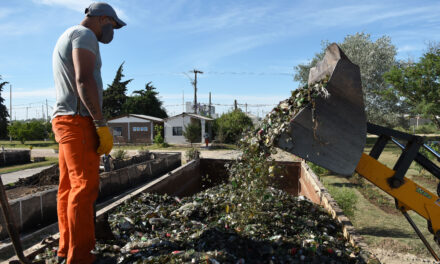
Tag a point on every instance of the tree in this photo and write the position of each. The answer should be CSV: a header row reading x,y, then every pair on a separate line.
x,y
374,59
3,113
32,130
145,102
418,83
158,138
193,132
114,97
231,125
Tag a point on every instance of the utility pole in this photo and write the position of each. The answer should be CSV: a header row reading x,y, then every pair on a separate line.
x,y
235,104
47,111
195,88
27,107
210,115
10,107
209,107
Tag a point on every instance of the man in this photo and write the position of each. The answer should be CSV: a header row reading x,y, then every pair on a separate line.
x,y
80,128
206,136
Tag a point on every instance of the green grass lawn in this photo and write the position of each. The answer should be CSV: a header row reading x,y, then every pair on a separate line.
x,y
47,162
375,216
29,144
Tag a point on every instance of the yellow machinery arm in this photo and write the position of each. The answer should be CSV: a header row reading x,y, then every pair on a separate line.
x,y
409,196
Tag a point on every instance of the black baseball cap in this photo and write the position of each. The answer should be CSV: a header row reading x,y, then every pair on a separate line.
x,y
104,9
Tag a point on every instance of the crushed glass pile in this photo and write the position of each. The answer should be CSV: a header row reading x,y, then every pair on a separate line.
x,y
247,220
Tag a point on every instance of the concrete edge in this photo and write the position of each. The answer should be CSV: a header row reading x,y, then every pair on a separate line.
x,y
327,201
18,201
50,240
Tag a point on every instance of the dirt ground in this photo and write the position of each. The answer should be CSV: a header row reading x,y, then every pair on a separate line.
x,y
389,257
23,191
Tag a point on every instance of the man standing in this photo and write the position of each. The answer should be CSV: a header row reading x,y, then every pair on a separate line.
x,y
80,128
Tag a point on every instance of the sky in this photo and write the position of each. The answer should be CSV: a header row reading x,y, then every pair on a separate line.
x,y
246,49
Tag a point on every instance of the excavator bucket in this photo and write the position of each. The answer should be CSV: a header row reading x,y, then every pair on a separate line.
x,y
335,140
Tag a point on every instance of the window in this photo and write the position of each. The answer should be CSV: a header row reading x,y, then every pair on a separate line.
x,y
177,131
117,131
140,129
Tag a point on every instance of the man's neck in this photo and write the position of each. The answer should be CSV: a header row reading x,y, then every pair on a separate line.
x,y
88,23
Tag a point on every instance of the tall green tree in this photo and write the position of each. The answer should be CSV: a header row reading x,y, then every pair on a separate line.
x,y
419,84
145,102
374,59
114,97
3,112
230,126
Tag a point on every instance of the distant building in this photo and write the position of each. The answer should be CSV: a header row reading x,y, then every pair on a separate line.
x,y
202,109
175,126
134,128
255,119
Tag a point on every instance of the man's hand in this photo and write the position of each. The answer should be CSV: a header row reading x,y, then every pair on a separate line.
x,y
105,140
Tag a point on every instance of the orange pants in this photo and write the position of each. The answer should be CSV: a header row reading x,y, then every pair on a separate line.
x,y
78,187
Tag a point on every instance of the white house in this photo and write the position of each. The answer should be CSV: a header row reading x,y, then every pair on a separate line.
x,y
175,126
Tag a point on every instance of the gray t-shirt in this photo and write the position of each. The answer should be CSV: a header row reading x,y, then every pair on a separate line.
x,y
64,72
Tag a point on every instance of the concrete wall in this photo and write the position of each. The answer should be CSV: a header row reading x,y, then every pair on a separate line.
x,y
12,157
315,191
34,211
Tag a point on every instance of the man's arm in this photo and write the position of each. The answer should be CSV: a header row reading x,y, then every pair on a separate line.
x,y
84,64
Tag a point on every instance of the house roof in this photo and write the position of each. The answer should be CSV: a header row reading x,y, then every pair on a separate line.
x,y
148,117
145,117
190,114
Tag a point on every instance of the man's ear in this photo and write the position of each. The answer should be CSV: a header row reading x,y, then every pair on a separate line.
x,y
103,20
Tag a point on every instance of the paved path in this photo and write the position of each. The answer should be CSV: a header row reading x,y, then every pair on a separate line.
x,y
14,176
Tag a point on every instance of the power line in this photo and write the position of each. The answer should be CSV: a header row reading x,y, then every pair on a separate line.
x,y
242,73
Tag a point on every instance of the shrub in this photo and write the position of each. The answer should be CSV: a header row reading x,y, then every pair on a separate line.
x,y
191,154
31,130
192,132
317,169
427,129
158,138
230,126
120,154
345,197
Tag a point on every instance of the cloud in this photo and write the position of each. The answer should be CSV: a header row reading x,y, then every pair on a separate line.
x,y
203,57
407,48
39,94
77,5
19,29
5,12
358,15
235,17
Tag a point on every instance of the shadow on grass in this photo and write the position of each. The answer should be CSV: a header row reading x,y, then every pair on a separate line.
x,y
343,184
386,232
